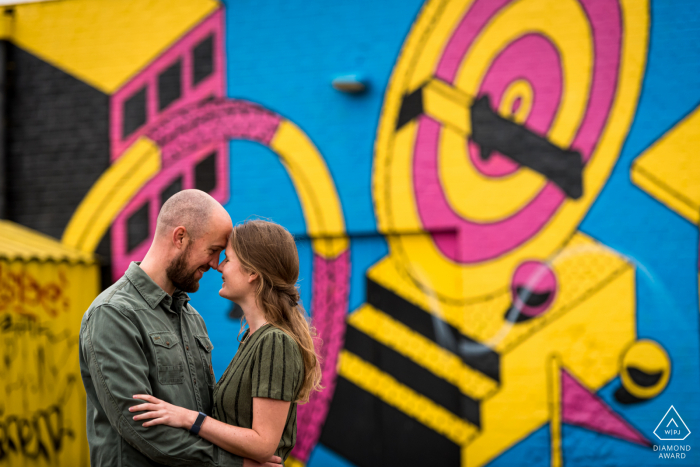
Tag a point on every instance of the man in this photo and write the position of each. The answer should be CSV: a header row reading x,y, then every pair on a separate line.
x,y
142,336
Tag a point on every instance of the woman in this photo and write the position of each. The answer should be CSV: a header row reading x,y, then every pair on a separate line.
x,y
276,365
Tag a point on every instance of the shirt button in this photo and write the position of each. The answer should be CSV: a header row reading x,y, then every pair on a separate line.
x,y
195,381
187,347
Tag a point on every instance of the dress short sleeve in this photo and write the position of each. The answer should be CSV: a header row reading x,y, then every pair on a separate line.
x,y
277,368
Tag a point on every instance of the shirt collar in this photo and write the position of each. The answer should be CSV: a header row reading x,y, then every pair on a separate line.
x,y
149,290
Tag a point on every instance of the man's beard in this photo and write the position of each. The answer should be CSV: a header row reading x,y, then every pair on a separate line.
x,y
179,275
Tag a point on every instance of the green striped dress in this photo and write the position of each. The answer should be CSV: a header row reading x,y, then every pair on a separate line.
x,y
267,364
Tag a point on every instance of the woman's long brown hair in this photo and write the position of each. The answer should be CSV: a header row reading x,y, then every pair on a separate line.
x,y
268,249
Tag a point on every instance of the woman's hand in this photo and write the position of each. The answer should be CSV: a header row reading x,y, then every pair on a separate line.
x,y
161,413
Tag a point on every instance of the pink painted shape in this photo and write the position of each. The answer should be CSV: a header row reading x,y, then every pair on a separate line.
x,y
187,128
329,305
480,242
537,277
534,59
213,85
581,408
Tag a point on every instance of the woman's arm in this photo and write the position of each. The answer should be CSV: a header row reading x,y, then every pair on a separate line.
x,y
258,443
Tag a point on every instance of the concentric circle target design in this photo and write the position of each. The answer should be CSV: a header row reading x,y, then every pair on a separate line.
x,y
499,128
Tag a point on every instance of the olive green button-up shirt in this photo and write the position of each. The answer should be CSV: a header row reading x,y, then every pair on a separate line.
x,y
134,339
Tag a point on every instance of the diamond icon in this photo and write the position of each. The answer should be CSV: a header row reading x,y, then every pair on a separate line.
x,y
672,427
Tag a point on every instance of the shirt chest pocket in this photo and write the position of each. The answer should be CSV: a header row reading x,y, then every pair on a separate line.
x,y
168,357
205,348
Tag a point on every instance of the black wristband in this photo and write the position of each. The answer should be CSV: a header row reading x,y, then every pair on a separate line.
x,y
198,423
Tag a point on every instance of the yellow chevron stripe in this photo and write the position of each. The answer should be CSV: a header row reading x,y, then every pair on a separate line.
x,y
443,363
112,191
386,388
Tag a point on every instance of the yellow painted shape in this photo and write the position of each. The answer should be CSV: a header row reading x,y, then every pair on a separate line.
x,y
554,379
105,43
5,27
519,89
21,243
475,196
670,169
314,185
393,187
448,105
293,462
41,306
582,267
112,191
424,352
650,357
589,338
376,382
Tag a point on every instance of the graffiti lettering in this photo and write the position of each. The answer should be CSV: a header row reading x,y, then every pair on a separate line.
x,y
39,435
21,291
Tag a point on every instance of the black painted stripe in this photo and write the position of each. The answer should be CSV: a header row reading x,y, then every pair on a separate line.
x,y
410,374
370,433
478,356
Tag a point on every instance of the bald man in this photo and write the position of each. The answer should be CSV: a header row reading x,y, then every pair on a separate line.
x,y
141,336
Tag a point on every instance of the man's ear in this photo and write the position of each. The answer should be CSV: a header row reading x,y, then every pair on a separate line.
x,y
180,237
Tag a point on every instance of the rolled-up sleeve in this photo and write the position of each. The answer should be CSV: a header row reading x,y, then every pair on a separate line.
x,y
113,349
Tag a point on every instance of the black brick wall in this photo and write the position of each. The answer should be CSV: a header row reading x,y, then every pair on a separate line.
x,y
57,143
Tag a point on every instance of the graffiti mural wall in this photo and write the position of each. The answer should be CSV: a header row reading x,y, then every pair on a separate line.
x,y
498,234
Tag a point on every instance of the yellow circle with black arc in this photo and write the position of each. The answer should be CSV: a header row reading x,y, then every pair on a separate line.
x,y
645,369
480,208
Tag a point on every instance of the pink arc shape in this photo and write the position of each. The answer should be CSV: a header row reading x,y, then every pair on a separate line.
x,y
188,128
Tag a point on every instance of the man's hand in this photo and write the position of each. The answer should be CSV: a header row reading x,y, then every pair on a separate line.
x,y
273,461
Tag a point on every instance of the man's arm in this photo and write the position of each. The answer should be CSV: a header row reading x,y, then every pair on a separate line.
x,y
114,351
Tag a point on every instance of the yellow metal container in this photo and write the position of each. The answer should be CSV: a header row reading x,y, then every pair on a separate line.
x,y
44,290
